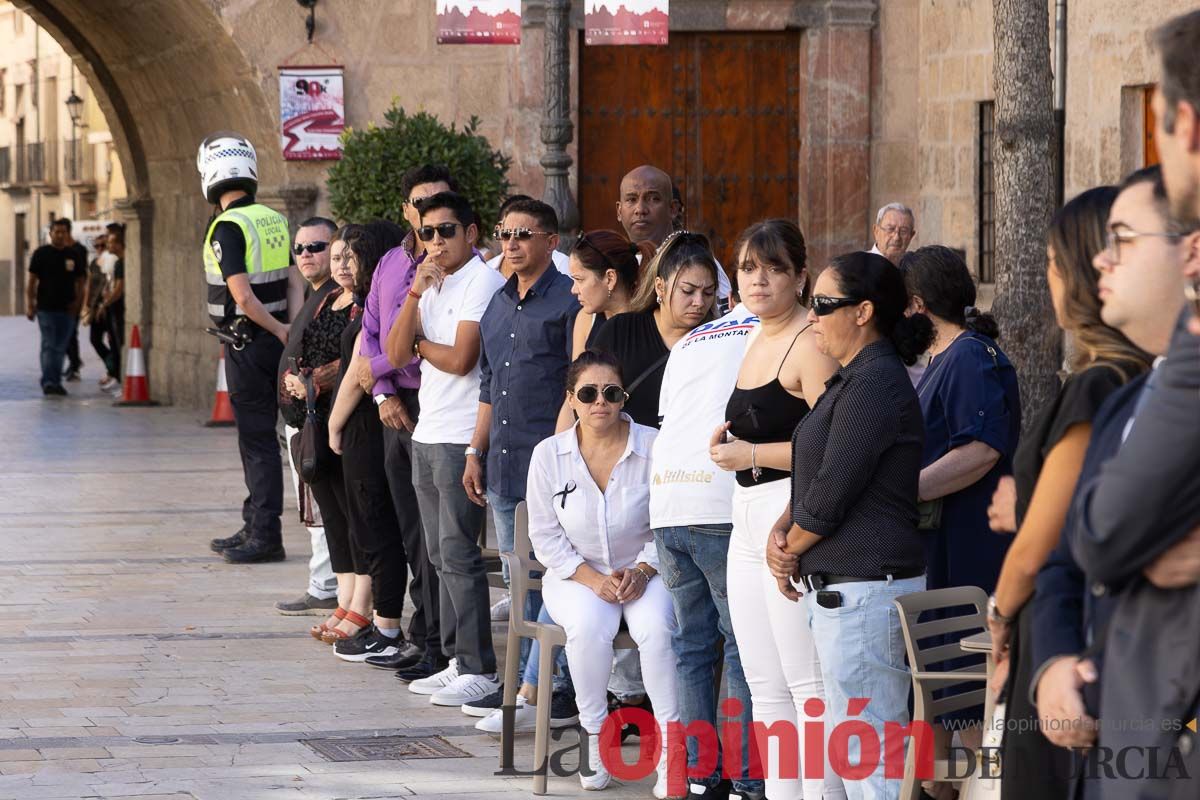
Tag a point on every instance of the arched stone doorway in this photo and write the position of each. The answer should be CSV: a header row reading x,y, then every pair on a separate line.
x,y
165,79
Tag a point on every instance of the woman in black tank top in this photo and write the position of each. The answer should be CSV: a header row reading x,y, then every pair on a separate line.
x,y
782,374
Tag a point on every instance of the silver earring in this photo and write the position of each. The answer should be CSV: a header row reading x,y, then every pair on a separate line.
x,y
658,297
610,294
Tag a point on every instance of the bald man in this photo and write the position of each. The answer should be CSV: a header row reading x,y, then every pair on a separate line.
x,y
646,210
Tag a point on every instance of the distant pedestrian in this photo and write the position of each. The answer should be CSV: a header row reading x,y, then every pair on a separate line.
x,y
53,295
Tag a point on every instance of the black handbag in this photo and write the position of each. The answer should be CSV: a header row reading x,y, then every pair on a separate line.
x,y
310,447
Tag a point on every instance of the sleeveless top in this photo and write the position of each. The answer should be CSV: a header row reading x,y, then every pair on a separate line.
x,y
764,415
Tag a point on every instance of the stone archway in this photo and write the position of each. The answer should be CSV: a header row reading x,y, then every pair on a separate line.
x,y
165,80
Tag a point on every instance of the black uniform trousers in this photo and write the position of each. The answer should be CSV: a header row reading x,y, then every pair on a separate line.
x,y
423,629
250,373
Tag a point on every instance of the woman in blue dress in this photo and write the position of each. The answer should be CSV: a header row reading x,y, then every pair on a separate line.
x,y
972,411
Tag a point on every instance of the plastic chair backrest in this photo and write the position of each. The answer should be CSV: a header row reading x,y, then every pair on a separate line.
x,y
924,655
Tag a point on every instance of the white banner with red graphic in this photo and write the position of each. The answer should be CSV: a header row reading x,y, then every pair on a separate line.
x,y
312,113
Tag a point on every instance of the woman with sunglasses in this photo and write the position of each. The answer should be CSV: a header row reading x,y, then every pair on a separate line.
x,y
589,523
315,348
676,293
849,539
356,433
782,374
1035,501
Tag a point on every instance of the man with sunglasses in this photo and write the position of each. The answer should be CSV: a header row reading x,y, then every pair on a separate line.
x,y
526,349
395,389
252,288
497,262
311,252
451,289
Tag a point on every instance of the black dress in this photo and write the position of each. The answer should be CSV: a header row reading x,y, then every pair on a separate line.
x,y
374,528
635,341
1043,767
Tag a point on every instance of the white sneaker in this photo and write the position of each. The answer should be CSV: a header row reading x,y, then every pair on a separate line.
x,y
599,777
464,689
673,761
501,608
525,719
435,681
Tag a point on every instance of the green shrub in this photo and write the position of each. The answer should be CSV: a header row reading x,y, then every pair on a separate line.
x,y
365,184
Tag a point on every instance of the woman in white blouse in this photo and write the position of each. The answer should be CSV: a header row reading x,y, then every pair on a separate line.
x,y
589,521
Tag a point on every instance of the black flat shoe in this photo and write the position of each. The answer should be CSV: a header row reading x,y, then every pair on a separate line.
x,y
254,551
428,665
237,540
407,656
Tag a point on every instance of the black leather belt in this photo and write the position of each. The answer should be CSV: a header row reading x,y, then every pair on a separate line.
x,y
819,580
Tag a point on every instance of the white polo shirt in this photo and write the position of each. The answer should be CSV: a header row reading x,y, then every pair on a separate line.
x,y
686,487
450,403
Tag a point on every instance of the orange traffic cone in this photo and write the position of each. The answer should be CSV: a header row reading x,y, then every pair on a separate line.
x,y
136,389
222,413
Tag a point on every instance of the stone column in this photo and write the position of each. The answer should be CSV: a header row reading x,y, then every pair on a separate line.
x,y
296,202
557,130
138,216
835,134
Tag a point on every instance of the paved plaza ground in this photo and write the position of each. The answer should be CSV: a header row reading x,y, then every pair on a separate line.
x,y
135,663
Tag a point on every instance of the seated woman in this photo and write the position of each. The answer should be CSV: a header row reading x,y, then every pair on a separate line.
x,y
589,523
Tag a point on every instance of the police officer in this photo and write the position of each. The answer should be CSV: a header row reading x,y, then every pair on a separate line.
x,y
247,265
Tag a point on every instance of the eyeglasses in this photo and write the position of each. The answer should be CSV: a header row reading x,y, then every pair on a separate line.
x,y
412,201
588,393
823,306
520,234
446,230
889,230
312,247
1116,237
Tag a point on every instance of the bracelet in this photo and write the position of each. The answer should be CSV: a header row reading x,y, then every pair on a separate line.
x,y
642,572
416,348
413,295
994,615
755,470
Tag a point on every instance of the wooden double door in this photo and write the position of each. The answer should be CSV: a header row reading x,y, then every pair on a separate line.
x,y
719,112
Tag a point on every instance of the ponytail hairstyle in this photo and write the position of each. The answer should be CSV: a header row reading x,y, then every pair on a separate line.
x,y
779,242
602,250
940,277
870,277
679,250
592,358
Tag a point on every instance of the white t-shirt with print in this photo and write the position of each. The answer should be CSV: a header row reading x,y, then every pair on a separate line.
x,y
450,403
686,487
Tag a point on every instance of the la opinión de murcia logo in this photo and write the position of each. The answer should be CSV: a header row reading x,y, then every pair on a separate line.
x,y
850,763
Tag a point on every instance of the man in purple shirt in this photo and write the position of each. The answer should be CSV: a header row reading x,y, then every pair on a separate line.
x,y
395,393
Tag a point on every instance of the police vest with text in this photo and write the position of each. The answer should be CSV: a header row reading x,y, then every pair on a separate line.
x,y
267,262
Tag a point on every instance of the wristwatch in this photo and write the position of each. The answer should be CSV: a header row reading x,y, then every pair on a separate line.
x,y
994,615
380,399
475,451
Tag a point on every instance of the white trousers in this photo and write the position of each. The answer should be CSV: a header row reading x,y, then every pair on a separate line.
x,y
322,583
592,624
775,642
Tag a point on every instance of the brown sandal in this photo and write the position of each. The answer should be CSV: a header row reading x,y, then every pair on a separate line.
x,y
332,635
316,630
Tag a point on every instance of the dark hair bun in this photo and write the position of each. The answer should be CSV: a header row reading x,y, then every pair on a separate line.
x,y
912,336
979,322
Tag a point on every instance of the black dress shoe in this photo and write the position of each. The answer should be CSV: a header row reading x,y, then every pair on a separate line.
x,y
254,551
428,665
407,656
237,540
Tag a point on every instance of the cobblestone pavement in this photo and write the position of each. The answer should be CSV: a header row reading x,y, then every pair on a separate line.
x,y
134,663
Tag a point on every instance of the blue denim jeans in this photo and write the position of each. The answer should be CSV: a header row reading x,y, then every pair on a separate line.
x,y
692,561
861,648
56,328
504,515
562,675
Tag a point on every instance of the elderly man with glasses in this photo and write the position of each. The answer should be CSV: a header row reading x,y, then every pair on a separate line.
x,y
893,231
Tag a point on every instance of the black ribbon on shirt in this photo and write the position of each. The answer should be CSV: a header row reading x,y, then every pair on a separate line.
x,y
567,489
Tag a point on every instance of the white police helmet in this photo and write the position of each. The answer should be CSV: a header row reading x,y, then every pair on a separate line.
x,y
226,161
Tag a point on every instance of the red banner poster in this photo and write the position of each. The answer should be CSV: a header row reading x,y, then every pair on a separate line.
x,y
479,21
625,22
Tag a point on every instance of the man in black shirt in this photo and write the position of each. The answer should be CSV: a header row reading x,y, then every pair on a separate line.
x,y
53,294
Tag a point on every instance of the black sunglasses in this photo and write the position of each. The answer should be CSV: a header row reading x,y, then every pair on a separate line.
x,y
312,247
520,234
446,230
823,306
612,393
